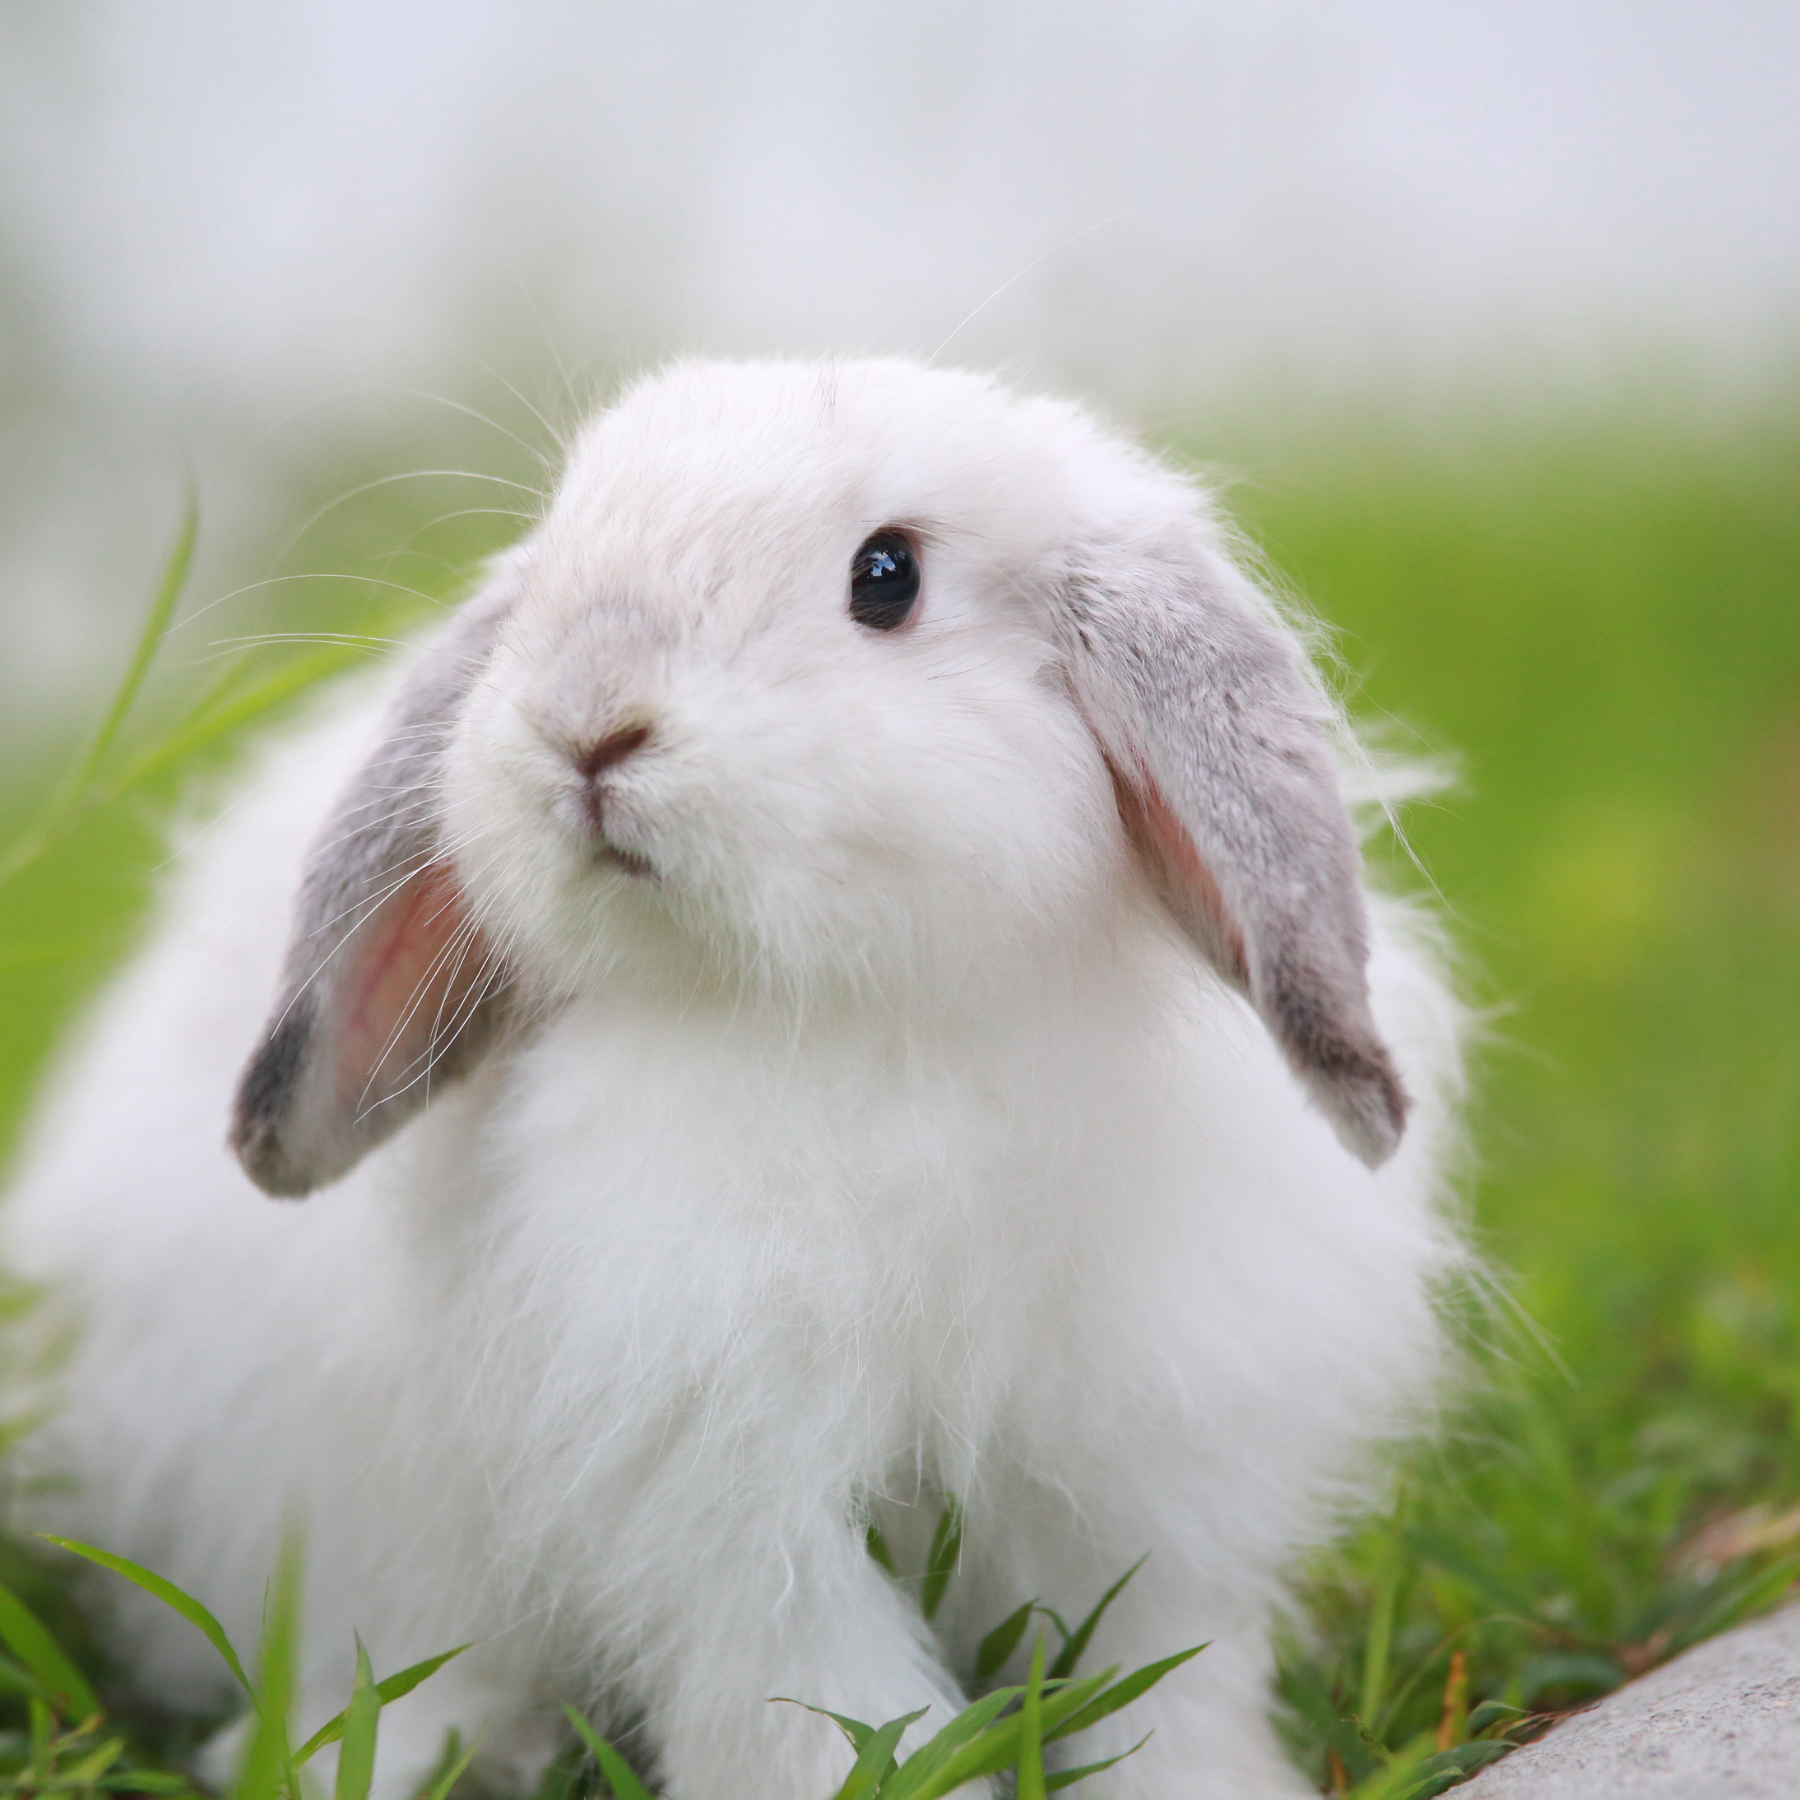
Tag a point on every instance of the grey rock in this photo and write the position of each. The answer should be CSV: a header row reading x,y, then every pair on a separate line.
x,y
1720,1723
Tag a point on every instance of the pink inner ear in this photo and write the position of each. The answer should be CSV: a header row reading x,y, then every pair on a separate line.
x,y
1185,883
412,987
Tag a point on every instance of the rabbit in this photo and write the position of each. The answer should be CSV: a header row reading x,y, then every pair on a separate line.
x,y
840,977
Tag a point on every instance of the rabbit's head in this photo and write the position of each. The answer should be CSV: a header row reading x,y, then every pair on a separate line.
x,y
861,676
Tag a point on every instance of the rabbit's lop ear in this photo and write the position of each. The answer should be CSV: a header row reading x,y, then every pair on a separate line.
x,y
1218,741
390,986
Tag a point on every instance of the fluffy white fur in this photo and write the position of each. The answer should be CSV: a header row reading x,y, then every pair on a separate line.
x,y
891,1141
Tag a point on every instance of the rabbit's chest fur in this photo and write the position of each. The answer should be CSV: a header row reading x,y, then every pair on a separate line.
x,y
725,1218
718,1240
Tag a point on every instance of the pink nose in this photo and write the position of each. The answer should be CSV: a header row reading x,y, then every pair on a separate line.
x,y
614,748
593,762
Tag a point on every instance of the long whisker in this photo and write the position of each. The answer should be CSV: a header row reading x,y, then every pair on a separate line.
x,y
465,512
537,318
359,638
381,481
476,994
481,418
457,946
268,581
1056,250
559,438
412,862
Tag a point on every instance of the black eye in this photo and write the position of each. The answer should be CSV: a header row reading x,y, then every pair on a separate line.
x,y
884,582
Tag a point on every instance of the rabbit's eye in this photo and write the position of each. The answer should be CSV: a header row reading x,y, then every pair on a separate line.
x,y
884,582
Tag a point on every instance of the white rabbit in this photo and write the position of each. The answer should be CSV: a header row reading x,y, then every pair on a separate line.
x,y
859,921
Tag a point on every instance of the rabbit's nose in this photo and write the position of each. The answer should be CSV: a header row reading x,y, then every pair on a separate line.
x,y
593,760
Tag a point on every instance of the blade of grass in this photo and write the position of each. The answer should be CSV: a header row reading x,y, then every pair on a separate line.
x,y
393,1688
146,1781
618,1772
1564,1668
1076,1642
1491,1712
879,1552
362,1719
946,1551
855,1730
565,1775
209,725
995,1748
15,1679
1340,1736
1030,1784
1122,1693
94,1765
268,1772
1756,1591
1064,1699
1068,1777
67,802
999,1644
62,1683
1419,1774
451,1766
162,607
875,1761
1437,1547
1380,1642
1404,1776
43,1734
170,1595
1444,1644
911,1779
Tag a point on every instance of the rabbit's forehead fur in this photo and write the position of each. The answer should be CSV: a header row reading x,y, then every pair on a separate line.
x,y
829,795
718,501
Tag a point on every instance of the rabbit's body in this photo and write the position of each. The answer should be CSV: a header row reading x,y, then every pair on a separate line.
x,y
887,1141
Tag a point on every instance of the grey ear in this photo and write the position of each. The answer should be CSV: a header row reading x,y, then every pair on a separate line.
x,y
389,986
1218,742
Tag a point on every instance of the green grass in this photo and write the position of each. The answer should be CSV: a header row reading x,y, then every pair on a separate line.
x,y
1604,624
70,1748
1600,622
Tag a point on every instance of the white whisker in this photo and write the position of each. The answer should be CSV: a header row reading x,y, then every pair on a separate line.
x,y
1036,262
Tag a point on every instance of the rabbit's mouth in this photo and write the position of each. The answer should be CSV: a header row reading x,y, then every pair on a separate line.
x,y
603,843
595,799
641,868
